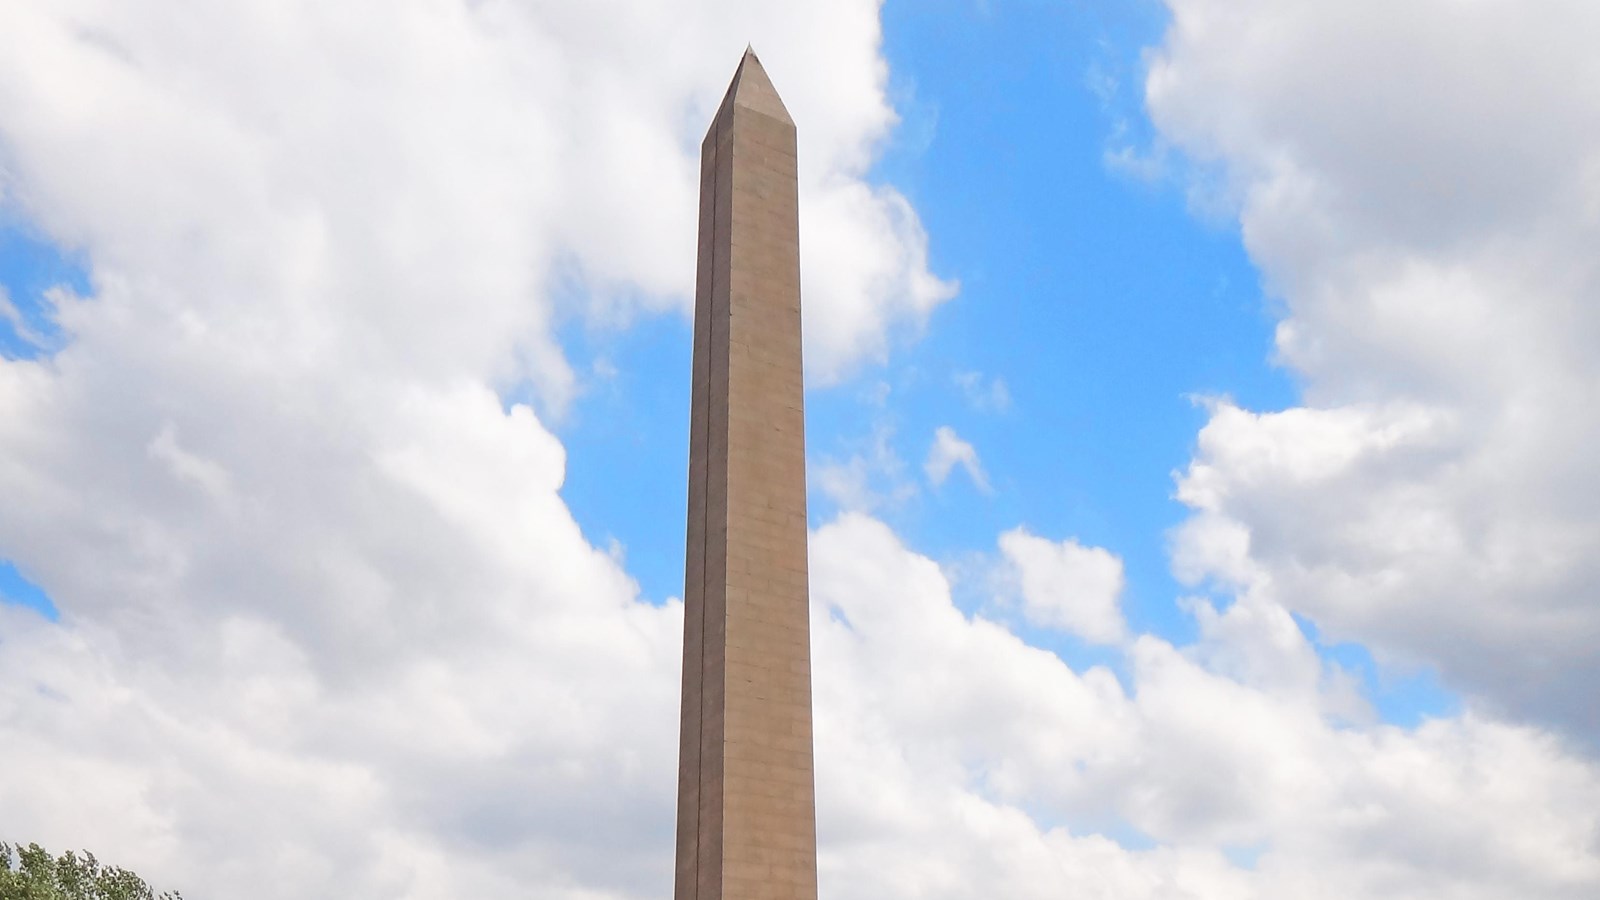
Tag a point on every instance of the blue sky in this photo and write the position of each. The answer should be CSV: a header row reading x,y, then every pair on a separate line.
x,y
30,266
330,499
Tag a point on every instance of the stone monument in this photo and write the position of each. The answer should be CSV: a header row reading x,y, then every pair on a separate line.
x,y
746,801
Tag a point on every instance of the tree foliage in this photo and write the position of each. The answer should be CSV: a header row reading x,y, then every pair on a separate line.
x,y
31,873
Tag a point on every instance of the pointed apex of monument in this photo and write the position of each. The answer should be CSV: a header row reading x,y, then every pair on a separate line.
x,y
752,89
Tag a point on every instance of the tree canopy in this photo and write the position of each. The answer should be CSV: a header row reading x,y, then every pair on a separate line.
x,y
32,873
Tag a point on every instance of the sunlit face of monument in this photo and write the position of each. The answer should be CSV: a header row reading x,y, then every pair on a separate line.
x,y
746,807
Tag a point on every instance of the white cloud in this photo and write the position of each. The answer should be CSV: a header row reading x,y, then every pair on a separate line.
x,y
951,755
946,452
984,394
871,477
1066,585
391,168
1418,185
948,734
862,240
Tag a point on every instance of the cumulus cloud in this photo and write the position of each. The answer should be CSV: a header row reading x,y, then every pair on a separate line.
x,y
946,452
391,167
1419,188
1000,754
1065,584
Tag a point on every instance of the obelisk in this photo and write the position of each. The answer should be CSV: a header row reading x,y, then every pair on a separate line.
x,y
746,801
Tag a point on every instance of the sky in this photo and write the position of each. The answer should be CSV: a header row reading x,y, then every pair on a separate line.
x,y
1199,428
